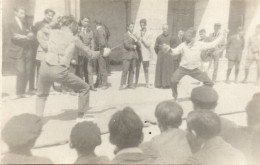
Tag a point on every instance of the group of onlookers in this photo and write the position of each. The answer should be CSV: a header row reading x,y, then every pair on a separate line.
x,y
208,139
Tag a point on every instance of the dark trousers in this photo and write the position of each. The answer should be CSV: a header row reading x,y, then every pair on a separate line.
x,y
102,69
33,69
146,70
128,69
195,73
231,64
23,67
86,70
215,60
49,74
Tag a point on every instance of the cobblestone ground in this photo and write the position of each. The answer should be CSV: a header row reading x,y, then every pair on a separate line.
x,y
60,113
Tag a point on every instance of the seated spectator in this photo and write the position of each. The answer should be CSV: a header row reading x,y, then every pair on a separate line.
x,y
256,95
171,146
256,146
206,126
206,98
20,134
126,133
85,137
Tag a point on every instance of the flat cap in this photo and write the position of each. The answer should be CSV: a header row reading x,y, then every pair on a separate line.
x,y
204,94
21,129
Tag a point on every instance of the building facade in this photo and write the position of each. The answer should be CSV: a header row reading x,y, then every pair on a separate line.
x,y
116,14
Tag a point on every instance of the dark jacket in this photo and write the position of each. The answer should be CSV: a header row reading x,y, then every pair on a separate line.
x,y
129,51
101,39
18,46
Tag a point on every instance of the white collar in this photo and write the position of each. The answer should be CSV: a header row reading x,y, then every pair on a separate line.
x,y
99,27
19,22
130,150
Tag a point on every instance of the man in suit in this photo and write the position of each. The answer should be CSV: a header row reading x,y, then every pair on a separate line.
x,y
20,50
206,126
235,46
101,43
129,57
85,67
216,52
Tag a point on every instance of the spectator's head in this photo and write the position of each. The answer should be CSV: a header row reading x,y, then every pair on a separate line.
x,y
98,23
256,95
130,27
169,115
70,22
20,12
143,23
217,27
202,33
204,98
85,137
189,35
85,21
204,125
253,112
21,132
126,129
165,29
257,29
180,33
240,31
49,14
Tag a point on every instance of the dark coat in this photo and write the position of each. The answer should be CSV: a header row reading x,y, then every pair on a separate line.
x,y
129,51
18,46
235,47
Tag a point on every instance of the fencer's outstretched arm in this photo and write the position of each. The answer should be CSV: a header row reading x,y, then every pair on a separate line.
x,y
213,44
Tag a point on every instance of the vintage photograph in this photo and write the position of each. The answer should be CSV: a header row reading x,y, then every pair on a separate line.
x,y
130,82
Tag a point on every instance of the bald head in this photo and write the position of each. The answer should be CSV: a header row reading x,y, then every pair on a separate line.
x,y
165,29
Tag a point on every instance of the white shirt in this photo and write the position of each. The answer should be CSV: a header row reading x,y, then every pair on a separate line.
x,y
191,54
19,22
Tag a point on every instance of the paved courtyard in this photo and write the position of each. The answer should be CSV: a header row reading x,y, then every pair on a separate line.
x,y
60,113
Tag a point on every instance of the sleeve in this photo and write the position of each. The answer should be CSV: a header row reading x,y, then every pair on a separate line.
x,y
43,43
212,44
192,160
147,41
128,44
101,39
176,51
157,45
93,41
229,42
88,52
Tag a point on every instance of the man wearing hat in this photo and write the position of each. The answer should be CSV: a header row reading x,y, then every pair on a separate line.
x,y
20,134
205,98
191,59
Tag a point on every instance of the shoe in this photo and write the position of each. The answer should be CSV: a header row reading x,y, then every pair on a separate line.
x,y
32,92
73,93
18,97
93,88
104,87
131,87
244,81
122,87
227,81
148,86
